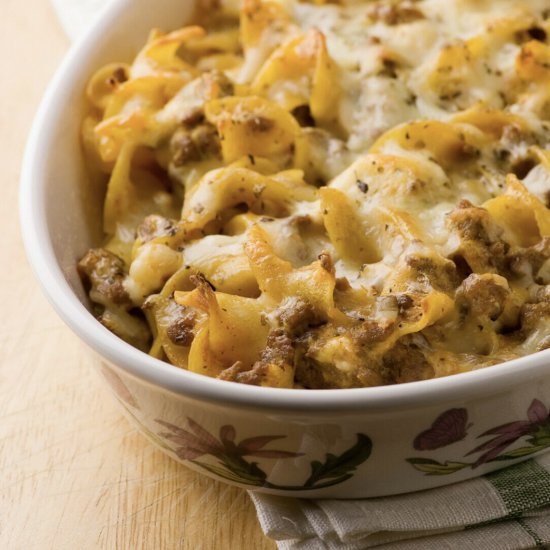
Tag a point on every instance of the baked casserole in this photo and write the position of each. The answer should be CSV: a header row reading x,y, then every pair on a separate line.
x,y
328,195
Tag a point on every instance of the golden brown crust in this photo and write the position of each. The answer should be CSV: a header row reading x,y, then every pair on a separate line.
x,y
328,196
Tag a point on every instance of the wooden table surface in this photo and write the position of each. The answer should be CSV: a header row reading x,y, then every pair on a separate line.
x,y
74,473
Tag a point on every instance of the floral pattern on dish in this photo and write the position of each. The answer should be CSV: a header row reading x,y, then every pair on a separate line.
x,y
449,427
196,442
119,387
535,429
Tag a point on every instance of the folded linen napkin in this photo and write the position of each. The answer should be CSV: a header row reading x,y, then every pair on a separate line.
x,y
506,510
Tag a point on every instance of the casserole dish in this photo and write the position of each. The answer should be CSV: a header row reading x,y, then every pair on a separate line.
x,y
349,443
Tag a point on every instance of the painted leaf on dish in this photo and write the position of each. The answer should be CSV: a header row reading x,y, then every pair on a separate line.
x,y
342,465
118,386
194,442
435,468
451,426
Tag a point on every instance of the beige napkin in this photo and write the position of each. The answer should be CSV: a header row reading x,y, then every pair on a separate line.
x,y
505,510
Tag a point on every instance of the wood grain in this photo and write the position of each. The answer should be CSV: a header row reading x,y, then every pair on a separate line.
x,y
74,474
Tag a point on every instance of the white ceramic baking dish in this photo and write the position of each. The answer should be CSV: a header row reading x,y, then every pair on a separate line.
x,y
309,443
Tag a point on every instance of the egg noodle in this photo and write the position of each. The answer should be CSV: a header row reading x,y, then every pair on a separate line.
x,y
328,195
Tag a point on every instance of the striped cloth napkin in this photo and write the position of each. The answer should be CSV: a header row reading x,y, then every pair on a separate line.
x,y
506,510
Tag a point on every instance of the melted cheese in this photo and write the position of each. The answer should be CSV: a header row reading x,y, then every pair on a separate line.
x,y
363,183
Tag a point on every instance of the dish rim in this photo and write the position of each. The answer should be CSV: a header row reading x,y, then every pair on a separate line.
x,y
38,246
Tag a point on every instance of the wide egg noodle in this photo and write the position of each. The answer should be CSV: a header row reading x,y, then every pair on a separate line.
x,y
231,331
301,72
252,126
